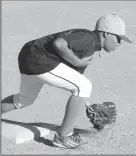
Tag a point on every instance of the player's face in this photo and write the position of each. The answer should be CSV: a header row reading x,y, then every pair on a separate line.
x,y
111,42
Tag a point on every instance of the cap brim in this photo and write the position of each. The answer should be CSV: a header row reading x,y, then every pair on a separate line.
x,y
125,38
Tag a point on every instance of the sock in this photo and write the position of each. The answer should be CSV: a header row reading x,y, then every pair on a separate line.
x,y
74,106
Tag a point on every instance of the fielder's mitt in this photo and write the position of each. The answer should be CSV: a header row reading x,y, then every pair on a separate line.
x,y
101,114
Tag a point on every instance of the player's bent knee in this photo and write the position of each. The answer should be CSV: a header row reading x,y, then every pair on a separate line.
x,y
84,89
21,102
87,88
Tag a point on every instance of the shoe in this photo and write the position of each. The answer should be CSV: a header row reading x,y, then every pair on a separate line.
x,y
70,141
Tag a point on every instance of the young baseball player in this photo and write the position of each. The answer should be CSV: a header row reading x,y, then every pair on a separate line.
x,y
60,60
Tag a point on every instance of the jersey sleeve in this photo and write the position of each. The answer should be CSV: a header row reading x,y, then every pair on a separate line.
x,y
76,41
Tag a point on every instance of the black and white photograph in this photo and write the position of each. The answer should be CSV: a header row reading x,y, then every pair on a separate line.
x,y
68,77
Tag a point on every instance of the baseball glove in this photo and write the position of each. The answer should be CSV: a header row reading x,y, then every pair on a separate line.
x,y
101,114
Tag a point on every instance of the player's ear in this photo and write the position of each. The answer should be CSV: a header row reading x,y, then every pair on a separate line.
x,y
105,34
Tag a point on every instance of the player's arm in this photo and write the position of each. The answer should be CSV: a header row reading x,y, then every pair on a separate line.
x,y
67,54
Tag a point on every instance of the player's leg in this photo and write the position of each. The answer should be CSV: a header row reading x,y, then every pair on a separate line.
x,y
68,79
30,87
7,104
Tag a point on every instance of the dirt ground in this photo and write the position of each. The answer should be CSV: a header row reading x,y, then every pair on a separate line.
x,y
113,75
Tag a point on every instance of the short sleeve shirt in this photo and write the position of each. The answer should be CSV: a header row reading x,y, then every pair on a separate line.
x,y
39,56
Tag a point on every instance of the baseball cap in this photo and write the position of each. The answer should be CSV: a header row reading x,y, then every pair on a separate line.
x,y
113,24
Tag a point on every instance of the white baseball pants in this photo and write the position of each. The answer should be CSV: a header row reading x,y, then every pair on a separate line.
x,y
62,77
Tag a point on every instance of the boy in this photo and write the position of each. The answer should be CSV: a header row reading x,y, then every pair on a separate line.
x,y
60,60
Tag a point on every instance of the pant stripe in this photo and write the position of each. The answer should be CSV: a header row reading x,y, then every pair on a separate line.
x,y
67,81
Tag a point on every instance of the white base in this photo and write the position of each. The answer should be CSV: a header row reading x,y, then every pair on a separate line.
x,y
20,134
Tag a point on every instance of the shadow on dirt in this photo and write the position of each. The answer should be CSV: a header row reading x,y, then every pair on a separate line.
x,y
37,133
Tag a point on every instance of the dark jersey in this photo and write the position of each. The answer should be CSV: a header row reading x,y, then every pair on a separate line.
x,y
39,56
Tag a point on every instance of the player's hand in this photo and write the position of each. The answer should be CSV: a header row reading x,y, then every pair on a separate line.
x,y
86,61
